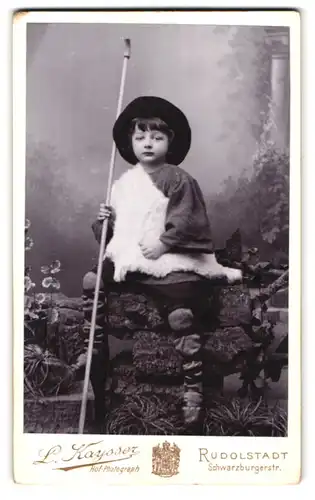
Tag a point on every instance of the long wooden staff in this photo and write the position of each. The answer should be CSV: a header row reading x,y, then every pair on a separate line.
x,y
102,247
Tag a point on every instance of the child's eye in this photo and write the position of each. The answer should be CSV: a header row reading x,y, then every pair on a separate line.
x,y
139,137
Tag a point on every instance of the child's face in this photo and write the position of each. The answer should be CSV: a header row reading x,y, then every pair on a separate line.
x,y
150,146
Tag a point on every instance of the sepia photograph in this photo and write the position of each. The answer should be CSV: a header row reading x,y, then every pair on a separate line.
x,y
157,193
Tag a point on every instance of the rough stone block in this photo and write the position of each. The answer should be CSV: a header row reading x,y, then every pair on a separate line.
x,y
230,305
132,311
280,299
277,315
70,316
57,415
224,345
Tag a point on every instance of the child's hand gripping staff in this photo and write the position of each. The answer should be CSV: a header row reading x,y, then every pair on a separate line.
x,y
102,245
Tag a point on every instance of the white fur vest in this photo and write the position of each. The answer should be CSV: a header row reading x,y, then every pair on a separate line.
x,y
140,216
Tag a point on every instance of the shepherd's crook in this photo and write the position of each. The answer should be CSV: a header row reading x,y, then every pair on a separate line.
x,y
102,247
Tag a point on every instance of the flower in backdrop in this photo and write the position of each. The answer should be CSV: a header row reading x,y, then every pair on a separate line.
x,y
39,306
28,284
30,308
51,282
29,243
40,298
27,270
53,315
53,268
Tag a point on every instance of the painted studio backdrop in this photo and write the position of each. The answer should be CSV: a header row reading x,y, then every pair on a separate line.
x,y
231,82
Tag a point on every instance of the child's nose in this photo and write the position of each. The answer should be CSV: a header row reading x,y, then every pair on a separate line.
x,y
148,142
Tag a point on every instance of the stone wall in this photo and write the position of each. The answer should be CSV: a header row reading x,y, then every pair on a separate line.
x,y
143,361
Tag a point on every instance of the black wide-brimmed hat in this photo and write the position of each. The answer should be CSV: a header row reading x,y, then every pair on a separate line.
x,y
153,107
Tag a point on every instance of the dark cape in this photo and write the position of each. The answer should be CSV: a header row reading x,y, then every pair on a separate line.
x,y
187,227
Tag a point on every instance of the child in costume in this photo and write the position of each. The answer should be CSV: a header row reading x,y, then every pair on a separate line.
x,y
158,233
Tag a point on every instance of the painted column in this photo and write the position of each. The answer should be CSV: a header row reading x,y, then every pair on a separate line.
x,y
278,39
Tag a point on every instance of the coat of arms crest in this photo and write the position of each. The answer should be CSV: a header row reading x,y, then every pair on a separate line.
x,y
165,459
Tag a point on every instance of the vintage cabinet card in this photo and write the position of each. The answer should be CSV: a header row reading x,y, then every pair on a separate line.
x,y
157,247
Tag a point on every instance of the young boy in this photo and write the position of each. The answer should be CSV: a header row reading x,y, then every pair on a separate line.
x,y
158,232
